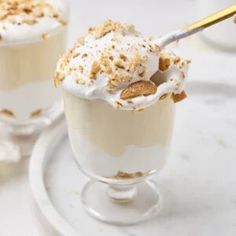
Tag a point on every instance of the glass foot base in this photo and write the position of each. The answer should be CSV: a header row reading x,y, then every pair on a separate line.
x,y
121,205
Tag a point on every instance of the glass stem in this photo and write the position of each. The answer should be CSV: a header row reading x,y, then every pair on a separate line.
x,y
122,193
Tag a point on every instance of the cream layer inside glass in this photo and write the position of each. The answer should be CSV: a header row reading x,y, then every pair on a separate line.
x,y
107,141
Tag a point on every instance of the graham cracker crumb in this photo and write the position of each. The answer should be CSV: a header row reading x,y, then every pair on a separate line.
x,y
80,41
119,64
110,26
135,62
30,21
117,105
81,68
94,70
164,96
139,109
36,113
80,81
143,73
177,60
123,57
45,36
124,175
179,97
84,55
58,78
164,63
7,113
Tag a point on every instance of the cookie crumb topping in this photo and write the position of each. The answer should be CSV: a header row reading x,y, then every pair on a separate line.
x,y
20,13
115,63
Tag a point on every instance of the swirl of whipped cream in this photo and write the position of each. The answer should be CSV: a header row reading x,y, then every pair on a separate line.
x,y
29,20
115,63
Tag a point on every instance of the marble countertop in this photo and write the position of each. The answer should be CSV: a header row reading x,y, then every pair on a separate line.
x,y
207,160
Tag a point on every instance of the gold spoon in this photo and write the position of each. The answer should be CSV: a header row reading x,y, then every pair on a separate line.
x,y
197,26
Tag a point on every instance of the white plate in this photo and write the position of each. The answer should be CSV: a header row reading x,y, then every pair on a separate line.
x,y
197,185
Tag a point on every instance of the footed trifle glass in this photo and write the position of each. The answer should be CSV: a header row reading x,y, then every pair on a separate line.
x,y
119,92
32,38
121,149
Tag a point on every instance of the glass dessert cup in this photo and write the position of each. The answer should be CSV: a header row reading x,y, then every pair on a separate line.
x,y
28,98
119,151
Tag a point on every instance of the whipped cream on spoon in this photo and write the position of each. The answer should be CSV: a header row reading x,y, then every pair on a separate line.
x,y
197,26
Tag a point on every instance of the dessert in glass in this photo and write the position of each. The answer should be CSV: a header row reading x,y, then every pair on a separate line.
x,y
32,38
120,92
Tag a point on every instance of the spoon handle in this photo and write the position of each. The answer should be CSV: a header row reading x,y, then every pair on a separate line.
x,y
198,26
213,19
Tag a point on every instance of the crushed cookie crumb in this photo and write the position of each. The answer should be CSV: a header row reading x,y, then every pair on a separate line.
x,y
125,175
164,96
58,78
157,48
183,74
84,55
7,113
110,26
135,62
80,41
110,89
29,21
105,65
164,63
139,109
143,73
117,105
118,64
45,36
36,113
62,21
81,69
80,81
177,60
94,70
130,101
123,57
179,97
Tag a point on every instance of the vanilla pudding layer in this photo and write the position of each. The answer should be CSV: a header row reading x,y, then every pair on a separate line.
x,y
20,65
106,141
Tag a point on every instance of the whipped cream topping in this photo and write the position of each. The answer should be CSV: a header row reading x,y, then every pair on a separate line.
x,y
27,20
112,60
